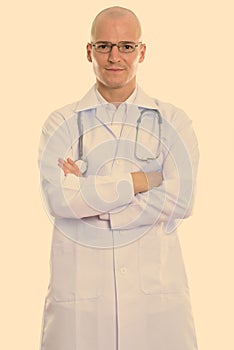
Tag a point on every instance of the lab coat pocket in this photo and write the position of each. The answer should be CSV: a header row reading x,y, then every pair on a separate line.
x,y
150,261
161,264
76,271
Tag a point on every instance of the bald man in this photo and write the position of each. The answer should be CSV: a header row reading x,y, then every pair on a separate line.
x,y
118,171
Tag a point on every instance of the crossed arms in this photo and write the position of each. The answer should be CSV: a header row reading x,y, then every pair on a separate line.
x,y
142,181
130,199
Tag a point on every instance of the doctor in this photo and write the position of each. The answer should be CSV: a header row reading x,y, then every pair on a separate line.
x,y
118,171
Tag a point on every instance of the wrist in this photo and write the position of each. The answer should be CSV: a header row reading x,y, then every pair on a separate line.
x,y
140,182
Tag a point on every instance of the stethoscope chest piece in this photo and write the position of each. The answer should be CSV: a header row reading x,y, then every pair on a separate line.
x,y
82,165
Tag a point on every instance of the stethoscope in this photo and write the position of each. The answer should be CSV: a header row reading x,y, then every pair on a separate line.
x,y
82,162
139,121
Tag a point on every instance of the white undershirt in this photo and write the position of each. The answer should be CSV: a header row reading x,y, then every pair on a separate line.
x,y
117,111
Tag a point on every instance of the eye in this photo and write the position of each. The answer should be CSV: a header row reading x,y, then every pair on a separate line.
x,y
128,47
102,46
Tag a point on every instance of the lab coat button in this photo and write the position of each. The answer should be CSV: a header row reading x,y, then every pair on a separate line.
x,y
123,270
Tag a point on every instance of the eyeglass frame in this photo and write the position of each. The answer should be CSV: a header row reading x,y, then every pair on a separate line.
x,y
116,44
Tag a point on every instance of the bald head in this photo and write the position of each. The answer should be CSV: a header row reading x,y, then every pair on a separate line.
x,y
115,13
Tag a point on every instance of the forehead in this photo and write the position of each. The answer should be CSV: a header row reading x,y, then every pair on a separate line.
x,y
124,28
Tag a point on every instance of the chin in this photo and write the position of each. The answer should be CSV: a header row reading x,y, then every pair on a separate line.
x,y
115,84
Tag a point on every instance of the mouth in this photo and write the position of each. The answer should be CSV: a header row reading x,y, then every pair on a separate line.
x,y
115,70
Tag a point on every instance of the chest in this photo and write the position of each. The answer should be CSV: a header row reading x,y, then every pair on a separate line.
x,y
120,143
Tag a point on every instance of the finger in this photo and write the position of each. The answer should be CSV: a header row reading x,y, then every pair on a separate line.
x,y
70,161
65,168
60,164
61,161
69,168
69,164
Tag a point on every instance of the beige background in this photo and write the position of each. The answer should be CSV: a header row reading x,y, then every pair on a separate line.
x,y
189,63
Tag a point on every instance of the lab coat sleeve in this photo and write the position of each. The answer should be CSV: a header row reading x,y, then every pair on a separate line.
x,y
173,200
71,196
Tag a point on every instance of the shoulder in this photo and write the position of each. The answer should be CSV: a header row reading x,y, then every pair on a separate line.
x,y
169,112
59,116
176,123
69,111
173,114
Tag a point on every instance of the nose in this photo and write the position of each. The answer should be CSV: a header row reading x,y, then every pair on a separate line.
x,y
114,55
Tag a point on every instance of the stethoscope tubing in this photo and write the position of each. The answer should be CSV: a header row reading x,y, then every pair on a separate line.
x,y
139,120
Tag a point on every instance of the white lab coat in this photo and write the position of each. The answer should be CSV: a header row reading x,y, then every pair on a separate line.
x,y
117,274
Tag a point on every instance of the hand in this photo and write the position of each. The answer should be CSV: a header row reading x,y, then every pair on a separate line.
x,y
143,182
154,179
69,167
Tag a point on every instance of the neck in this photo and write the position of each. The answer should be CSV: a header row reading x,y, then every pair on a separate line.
x,y
116,95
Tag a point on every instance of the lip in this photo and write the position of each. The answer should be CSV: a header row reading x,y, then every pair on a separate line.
x,y
115,69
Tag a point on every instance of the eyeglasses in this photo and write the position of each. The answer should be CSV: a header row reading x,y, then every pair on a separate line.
x,y
123,46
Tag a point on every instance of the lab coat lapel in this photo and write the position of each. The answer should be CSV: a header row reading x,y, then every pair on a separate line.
x,y
133,113
89,101
141,101
103,115
145,101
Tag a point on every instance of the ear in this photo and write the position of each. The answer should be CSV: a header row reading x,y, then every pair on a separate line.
x,y
89,52
142,53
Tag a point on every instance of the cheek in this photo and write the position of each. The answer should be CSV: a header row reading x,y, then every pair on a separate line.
x,y
134,64
97,64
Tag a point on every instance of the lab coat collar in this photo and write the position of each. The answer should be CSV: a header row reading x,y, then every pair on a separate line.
x,y
144,101
90,100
